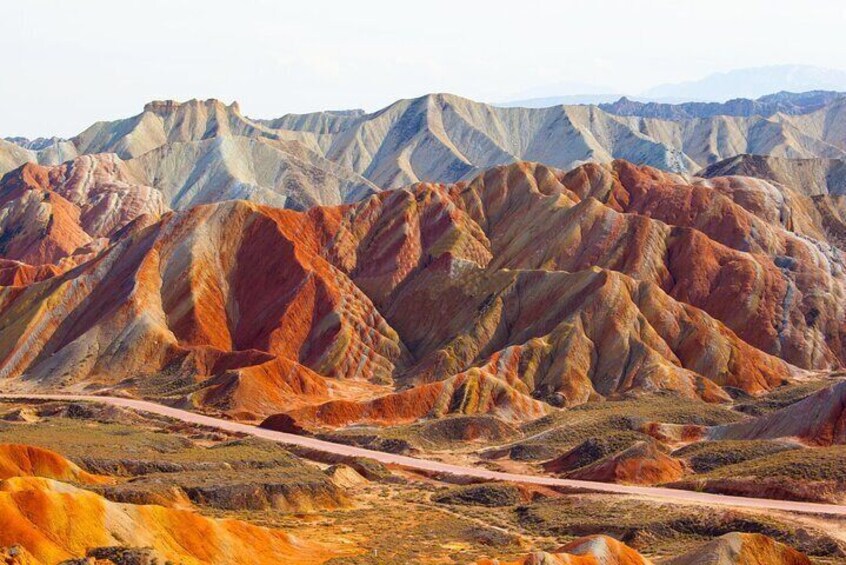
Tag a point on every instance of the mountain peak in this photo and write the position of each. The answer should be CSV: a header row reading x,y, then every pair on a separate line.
x,y
164,107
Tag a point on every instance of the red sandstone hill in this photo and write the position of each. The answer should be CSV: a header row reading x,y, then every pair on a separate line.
x,y
53,218
642,463
524,288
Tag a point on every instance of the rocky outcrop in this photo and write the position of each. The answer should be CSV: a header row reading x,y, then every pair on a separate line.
x,y
200,152
345,477
643,463
819,419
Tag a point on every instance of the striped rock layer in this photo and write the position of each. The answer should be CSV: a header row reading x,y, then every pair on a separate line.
x,y
524,289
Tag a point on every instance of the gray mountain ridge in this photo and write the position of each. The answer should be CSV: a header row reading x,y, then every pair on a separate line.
x,y
203,151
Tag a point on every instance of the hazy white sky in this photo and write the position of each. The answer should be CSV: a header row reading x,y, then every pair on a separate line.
x,y
69,63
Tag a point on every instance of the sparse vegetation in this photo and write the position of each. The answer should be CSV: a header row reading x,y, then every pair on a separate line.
x,y
707,456
488,494
809,464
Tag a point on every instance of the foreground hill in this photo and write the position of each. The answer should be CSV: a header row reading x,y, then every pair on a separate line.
x,y
181,493
48,522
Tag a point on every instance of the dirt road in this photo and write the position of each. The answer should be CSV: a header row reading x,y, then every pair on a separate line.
x,y
654,493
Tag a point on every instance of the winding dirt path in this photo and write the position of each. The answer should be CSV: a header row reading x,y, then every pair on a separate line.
x,y
654,493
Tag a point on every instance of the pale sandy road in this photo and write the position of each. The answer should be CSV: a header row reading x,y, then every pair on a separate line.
x,y
654,493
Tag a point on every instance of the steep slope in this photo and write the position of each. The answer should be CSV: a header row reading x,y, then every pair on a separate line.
x,y
817,188
526,286
272,172
819,419
445,138
165,122
428,259
54,218
54,521
38,225
826,124
201,152
717,257
814,177
434,138
231,290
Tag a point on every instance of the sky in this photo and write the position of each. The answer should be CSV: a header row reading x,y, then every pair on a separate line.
x,y
69,64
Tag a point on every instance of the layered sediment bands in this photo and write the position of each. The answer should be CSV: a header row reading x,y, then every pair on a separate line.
x,y
199,152
760,280
38,225
572,336
466,393
819,419
814,190
207,148
55,218
54,521
224,290
514,281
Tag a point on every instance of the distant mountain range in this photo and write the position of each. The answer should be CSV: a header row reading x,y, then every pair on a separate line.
x,y
751,83
748,83
206,151
789,103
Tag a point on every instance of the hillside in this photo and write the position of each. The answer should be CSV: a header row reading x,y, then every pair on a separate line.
x,y
526,289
